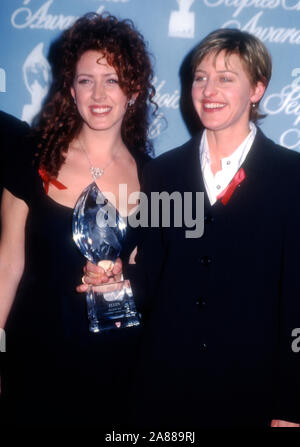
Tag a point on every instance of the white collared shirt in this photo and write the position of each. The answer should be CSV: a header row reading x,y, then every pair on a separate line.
x,y
215,184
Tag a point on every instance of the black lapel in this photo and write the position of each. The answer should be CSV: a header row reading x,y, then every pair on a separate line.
x,y
258,158
193,178
255,164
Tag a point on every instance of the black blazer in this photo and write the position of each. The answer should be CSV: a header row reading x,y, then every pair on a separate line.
x,y
12,131
220,310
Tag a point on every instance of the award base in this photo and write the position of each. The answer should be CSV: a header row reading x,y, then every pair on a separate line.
x,y
111,307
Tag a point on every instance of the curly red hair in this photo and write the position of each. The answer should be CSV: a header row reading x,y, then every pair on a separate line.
x,y
124,48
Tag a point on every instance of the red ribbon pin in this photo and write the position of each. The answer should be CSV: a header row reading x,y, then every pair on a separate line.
x,y
47,180
225,195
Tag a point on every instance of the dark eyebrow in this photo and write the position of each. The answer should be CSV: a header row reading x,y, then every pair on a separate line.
x,y
91,76
84,75
218,71
111,74
227,71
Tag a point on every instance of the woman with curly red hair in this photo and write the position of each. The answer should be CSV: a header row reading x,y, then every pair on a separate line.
x,y
93,126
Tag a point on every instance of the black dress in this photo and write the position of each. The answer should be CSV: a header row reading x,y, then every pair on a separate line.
x,y
58,372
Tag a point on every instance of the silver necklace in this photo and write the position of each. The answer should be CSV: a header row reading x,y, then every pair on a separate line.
x,y
94,170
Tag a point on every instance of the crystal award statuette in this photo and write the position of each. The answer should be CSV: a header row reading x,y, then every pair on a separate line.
x,y
99,232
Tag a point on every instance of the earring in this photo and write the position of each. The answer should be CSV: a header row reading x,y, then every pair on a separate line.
x,y
75,102
253,105
131,102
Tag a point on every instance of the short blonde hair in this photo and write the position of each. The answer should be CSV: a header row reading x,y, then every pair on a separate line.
x,y
253,53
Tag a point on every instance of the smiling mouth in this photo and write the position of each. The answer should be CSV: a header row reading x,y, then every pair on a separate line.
x,y
213,105
100,110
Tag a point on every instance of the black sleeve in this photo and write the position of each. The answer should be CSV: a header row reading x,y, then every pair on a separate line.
x,y
287,389
17,155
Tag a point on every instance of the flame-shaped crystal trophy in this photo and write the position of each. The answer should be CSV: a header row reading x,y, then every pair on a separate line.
x,y
99,232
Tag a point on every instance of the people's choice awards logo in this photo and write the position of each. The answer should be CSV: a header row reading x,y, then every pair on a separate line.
x,y
2,80
27,17
163,98
288,102
182,22
24,17
255,25
36,75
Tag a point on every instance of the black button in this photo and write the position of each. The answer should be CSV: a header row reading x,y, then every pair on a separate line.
x,y
205,260
201,303
209,219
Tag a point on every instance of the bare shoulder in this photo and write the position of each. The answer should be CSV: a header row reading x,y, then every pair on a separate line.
x,y
12,203
14,212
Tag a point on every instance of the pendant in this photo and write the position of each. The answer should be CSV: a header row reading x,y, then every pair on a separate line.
x,y
96,172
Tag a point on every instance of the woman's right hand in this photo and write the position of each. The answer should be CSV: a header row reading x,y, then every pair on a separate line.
x,y
95,275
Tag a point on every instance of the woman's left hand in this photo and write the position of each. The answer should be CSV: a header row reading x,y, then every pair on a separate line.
x,y
279,423
95,275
